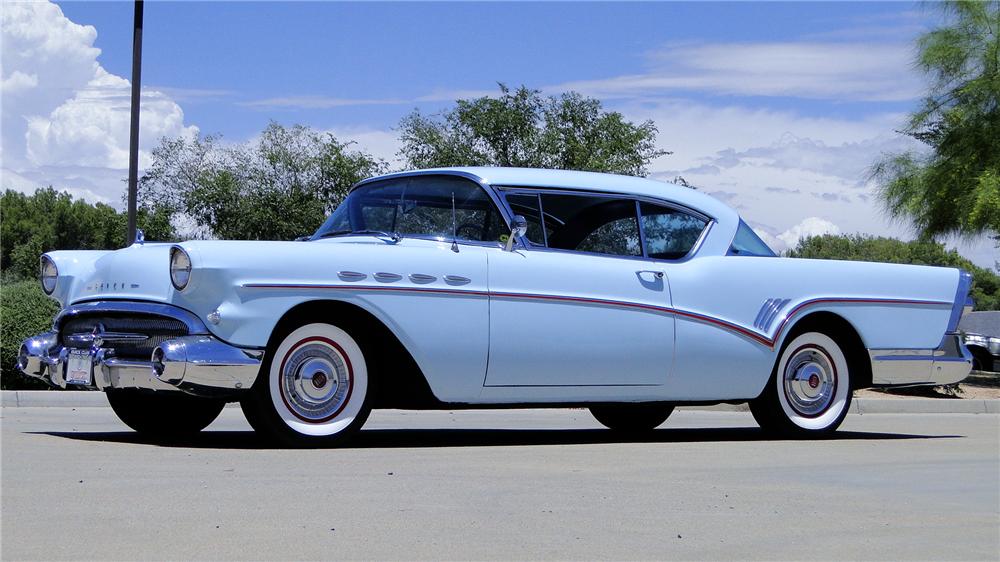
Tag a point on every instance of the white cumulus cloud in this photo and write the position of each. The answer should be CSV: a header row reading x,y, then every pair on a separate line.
x,y
810,226
65,119
867,71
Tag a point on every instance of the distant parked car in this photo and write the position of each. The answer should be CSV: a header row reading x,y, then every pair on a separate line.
x,y
493,287
981,334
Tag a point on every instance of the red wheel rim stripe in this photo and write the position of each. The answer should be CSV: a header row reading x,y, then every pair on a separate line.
x,y
350,377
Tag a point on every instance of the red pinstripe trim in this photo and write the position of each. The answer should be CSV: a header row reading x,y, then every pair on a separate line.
x,y
368,288
847,300
758,337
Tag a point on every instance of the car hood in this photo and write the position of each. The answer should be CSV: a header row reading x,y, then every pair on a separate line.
x,y
139,272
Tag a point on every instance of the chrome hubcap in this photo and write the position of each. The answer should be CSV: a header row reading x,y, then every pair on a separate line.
x,y
810,381
315,381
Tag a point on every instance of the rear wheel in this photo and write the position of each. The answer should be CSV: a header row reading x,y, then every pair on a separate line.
x,y
631,418
809,393
313,388
164,415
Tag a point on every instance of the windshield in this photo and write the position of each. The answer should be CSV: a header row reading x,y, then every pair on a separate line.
x,y
421,206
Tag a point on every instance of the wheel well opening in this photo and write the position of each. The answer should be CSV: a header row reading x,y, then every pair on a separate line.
x,y
845,335
980,355
397,379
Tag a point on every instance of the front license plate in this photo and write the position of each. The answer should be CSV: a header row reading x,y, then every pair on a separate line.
x,y
79,367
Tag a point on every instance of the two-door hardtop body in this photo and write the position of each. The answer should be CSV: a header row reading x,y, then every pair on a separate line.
x,y
488,287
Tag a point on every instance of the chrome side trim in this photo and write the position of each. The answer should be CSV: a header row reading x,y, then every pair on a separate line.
x,y
351,275
948,364
755,335
768,311
422,278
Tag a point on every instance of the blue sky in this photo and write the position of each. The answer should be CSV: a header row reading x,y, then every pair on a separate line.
x,y
778,109
217,56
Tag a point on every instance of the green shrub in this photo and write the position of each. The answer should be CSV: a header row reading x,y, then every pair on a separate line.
x,y
24,311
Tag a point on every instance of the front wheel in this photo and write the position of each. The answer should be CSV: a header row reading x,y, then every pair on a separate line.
x,y
313,388
166,414
809,392
631,418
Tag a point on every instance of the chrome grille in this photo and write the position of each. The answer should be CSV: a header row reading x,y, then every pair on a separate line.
x,y
121,333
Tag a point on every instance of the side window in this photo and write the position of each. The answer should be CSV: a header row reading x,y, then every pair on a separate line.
x,y
604,225
528,206
670,234
747,243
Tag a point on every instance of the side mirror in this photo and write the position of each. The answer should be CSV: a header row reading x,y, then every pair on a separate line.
x,y
518,226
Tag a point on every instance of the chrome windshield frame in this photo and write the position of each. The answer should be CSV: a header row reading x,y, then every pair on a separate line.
x,y
505,212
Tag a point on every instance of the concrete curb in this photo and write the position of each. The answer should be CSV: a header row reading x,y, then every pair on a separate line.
x,y
83,399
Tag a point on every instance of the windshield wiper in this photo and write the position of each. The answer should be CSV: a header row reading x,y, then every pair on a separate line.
x,y
394,236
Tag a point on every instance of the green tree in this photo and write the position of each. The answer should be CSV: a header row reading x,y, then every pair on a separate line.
x,y
53,220
277,187
955,186
858,247
523,128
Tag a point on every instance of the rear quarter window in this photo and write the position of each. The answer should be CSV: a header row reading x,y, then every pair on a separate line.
x,y
747,243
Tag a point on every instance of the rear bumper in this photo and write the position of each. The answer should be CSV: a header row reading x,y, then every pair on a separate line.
x,y
948,364
201,365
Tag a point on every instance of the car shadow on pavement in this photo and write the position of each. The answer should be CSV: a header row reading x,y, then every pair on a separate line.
x,y
432,438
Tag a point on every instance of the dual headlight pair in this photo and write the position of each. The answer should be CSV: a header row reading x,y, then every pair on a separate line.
x,y
180,270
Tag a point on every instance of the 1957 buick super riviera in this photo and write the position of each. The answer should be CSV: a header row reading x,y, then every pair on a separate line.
x,y
493,287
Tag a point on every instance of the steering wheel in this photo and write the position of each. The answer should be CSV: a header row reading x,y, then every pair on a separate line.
x,y
478,231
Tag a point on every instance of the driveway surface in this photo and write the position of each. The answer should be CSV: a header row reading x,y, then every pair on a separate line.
x,y
503,484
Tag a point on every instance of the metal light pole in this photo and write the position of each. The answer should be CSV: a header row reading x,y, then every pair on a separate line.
x,y
133,139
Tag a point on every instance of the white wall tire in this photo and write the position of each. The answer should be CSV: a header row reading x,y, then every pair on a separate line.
x,y
809,392
313,389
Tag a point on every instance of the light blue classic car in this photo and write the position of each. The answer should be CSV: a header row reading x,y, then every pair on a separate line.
x,y
493,287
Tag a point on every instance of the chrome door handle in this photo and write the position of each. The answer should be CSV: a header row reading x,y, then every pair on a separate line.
x,y
657,274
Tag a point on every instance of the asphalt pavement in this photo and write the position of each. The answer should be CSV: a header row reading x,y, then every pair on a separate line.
x,y
510,484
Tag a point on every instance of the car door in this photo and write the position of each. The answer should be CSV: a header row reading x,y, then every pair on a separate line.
x,y
581,305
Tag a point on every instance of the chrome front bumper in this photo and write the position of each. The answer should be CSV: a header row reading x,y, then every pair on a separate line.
x,y
948,364
199,364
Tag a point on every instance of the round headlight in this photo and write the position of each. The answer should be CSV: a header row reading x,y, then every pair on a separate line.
x,y
180,268
49,274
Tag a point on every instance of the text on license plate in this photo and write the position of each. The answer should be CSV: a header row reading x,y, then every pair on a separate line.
x,y
78,367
